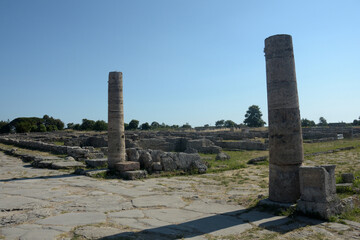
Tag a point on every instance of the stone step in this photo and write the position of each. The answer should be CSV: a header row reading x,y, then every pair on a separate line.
x,y
127,166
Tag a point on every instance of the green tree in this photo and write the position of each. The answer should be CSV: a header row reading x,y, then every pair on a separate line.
x,y
2,124
41,128
219,123
70,125
133,124
307,123
23,127
322,122
356,122
155,125
48,121
100,125
253,117
51,128
229,124
87,125
145,126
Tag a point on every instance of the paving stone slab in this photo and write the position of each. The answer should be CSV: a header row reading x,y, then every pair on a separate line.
x,y
215,208
218,225
67,165
129,222
336,226
74,219
93,232
353,224
12,232
158,201
172,215
40,234
19,203
127,214
263,219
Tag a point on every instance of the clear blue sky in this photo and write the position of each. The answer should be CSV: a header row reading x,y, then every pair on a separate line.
x,y
195,61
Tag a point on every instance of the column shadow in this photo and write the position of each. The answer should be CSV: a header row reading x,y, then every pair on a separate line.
x,y
217,223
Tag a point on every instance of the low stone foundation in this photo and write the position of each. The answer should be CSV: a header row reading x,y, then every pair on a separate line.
x,y
318,191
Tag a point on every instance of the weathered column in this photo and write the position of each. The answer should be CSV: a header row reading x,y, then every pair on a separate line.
x,y
285,135
116,132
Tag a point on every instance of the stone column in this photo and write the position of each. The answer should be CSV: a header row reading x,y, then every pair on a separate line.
x,y
285,135
116,132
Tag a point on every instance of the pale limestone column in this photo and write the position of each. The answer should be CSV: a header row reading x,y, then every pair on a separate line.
x,y
285,135
116,132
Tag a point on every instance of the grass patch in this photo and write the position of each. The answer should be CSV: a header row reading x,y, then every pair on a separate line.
x,y
238,159
352,215
331,145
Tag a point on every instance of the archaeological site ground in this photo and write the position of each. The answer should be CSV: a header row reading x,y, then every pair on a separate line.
x,y
283,181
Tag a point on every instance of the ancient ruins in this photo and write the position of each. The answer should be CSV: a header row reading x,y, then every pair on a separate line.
x,y
116,131
285,137
37,200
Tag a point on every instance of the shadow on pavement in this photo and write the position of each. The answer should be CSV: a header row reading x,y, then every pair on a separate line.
x,y
220,224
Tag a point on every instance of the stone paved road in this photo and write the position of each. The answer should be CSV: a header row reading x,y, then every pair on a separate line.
x,y
49,204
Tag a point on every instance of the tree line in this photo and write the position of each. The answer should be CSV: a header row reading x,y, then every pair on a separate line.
x,y
323,123
253,118
31,124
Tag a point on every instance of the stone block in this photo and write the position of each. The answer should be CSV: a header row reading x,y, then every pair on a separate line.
x,y
284,183
222,156
133,175
127,166
133,154
318,191
258,160
156,166
347,177
156,155
96,173
67,165
145,160
167,162
321,209
94,163
317,184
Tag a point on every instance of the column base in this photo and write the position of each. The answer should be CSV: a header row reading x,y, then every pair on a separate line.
x,y
127,166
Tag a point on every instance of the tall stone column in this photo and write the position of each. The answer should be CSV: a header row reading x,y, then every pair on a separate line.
x,y
116,132
285,134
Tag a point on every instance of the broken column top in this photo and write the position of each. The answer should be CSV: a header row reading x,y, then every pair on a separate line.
x,y
278,46
115,75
